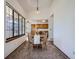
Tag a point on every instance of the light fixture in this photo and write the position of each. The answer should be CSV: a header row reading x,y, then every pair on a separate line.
x,y
37,8
43,20
28,21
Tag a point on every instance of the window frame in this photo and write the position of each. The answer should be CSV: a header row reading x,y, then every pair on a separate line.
x,y
19,35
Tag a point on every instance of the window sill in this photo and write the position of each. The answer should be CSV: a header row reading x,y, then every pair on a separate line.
x,y
13,38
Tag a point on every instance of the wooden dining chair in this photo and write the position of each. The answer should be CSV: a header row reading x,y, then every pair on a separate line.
x,y
44,42
30,43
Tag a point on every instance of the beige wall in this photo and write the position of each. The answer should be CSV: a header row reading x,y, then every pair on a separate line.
x,y
63,28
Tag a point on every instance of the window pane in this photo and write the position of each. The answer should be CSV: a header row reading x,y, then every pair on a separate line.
x,y
15,24
20,19
9,22
23,25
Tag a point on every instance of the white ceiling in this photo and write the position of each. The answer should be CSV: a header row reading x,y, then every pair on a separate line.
x,y
30,5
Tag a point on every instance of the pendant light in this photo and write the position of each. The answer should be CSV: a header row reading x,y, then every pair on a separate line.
x,y
37,9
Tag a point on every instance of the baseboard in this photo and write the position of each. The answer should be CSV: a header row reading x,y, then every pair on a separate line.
x,y
61,52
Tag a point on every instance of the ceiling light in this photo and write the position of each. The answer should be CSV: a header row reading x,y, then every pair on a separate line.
x,y
37,12
43,21
37,9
